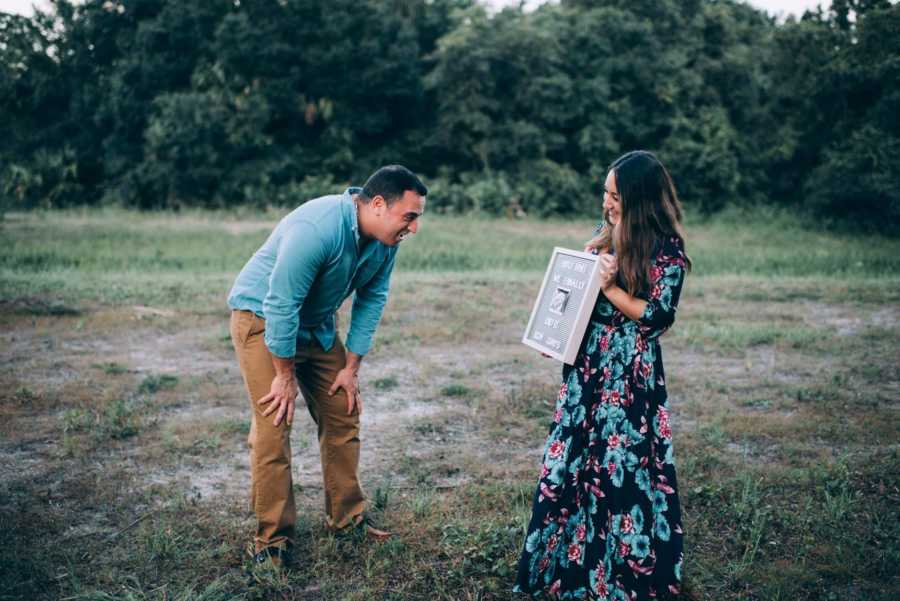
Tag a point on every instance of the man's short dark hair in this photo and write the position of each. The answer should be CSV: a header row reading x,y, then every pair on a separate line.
x,y
390,183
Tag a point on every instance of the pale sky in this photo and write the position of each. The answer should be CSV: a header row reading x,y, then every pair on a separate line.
x,y
774,7
22,7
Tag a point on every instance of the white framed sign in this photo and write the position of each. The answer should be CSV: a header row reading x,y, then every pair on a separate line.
x,y
563,307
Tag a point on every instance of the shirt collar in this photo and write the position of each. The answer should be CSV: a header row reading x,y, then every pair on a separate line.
x,y
348,200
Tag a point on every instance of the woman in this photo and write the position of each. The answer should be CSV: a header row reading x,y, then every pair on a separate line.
x,y
606,522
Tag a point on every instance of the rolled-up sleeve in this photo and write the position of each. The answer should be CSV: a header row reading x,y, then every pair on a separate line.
x,y
301,253
665,290
368,306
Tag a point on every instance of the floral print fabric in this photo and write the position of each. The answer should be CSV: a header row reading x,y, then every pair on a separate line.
x,y
606,522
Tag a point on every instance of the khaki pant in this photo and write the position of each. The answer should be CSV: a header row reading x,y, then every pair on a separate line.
x,y
271,494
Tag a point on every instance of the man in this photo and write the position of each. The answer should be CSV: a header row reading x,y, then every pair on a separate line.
x,y
284,334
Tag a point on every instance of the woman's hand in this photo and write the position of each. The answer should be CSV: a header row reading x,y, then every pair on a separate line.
x,y
610,268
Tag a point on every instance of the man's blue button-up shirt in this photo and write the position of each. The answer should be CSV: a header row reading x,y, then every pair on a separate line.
x,y
309,264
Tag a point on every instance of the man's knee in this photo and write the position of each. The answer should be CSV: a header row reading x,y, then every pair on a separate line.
x,y
337,425
265,436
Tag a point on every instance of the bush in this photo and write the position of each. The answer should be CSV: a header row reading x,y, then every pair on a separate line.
x,y
444,196
485,192
702,157
857,181
49,179
312,186
188,149
488,192
545,188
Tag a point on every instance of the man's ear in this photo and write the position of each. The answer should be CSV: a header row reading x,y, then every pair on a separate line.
x,y
379,204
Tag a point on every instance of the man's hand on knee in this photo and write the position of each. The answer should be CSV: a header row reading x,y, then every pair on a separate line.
x,y
348,380
281,398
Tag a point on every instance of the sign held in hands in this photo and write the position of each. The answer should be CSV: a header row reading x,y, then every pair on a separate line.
x,y
563,307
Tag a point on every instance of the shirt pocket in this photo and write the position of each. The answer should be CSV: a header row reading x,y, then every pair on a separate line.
x,y
245,324
257,326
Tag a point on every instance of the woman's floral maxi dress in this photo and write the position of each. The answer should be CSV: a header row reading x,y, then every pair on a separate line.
x,y
606,522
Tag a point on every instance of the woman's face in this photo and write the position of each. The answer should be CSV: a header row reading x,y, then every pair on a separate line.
x,y
612,204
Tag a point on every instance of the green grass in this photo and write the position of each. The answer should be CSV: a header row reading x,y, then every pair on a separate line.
x,y
733,335
385,383
121,402
111,368
114,255
457,390
156,382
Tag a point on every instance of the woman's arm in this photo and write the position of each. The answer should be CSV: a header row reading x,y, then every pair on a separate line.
x,y
654,316
631,306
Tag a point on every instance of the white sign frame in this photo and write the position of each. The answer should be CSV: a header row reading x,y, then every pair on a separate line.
x,y
582,312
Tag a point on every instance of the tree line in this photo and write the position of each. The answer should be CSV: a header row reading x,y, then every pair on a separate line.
x,y
211,103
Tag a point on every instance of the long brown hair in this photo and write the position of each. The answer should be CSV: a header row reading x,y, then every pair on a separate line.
x,y
650,213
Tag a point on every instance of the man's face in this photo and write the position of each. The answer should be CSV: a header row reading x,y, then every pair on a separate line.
x,y
399,220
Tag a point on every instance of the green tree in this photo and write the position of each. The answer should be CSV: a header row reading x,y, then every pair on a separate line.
x,y
37,164
158,103
835,100
858,174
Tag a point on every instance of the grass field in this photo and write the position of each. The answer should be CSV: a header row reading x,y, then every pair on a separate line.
x,y
123,420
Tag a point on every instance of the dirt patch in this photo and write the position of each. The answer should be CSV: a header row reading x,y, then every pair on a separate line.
x,y
845,320
61,356
403,424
